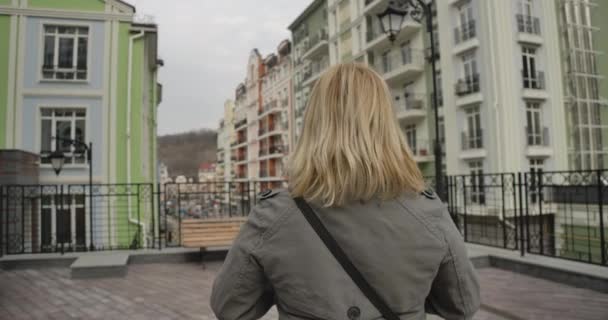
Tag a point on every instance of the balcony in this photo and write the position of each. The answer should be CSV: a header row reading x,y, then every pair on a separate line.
x,y
464,32
285,102
472,145
421,150
411,108
268,108
538,142
376,39
316,45
465,38
400,65
468,91
528,24
534,85
239,124
314,70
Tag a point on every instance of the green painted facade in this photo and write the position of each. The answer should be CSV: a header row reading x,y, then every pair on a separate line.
x,y
78,5
128,210
5,31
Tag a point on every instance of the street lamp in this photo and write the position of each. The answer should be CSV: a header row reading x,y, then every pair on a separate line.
x,y
391,21
58,160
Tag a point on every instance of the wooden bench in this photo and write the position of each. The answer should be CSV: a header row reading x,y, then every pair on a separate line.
x,y
204,233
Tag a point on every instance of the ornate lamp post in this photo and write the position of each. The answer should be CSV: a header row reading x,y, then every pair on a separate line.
x,y
391,21
58,160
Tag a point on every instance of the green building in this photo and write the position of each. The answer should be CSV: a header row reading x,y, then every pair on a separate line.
x,y
83,70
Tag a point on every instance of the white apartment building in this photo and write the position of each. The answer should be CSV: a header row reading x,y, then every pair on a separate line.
x,y
586,112
274,117
225,136
263,115
502,86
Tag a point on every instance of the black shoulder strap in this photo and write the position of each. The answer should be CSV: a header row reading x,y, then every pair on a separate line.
x,y
348,266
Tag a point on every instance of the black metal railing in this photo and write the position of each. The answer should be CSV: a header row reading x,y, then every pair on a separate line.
x,y
557,214
468,85
528,24
533,80
465,32
472,139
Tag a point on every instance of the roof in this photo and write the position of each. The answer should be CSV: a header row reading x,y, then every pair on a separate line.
x,y
311,7
126,4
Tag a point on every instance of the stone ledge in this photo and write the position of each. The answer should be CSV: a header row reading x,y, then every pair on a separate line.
x,y
100,266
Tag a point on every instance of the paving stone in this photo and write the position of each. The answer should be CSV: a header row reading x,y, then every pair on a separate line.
x,y
180,291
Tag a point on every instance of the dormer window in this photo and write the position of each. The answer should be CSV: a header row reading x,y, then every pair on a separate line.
x,y
65,53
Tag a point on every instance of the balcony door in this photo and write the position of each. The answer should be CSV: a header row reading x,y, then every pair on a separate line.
x,y
473,128
410,137
534,124
528,55
469,63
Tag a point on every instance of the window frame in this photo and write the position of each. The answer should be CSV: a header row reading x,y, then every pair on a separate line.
x,y
87,134
41,47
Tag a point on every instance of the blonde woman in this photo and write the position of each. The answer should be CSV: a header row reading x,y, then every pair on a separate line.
x,y
396,254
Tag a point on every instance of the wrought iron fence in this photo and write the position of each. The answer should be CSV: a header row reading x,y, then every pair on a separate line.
x,y
558,214
64,218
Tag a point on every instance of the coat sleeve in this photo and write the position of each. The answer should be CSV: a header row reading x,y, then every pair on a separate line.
x,y
241,290
455,290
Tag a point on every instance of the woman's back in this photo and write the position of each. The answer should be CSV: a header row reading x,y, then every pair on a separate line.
x,y
352,161
408,249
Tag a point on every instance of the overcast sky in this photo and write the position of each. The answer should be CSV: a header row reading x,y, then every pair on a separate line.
x,y
205,45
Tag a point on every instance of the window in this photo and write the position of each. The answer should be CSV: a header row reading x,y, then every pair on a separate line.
x,y
534,129
466,29
526,8
472,137
530,75
441,123
470,83
65,52
477,182
67,124
410,137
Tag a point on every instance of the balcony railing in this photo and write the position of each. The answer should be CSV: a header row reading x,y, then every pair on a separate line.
x,y
537,137
276,149
319,36
240,123
528,24
533,80
269,106
315,68
412,101
420,148
399,58
465,32
467,85
472,140
263,151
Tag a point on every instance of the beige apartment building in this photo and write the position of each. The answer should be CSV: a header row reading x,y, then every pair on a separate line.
x,y
262,117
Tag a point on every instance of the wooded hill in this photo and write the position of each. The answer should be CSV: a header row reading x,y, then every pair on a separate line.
x,y
183,152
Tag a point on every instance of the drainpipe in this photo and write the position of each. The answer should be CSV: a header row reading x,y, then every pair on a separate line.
x,y
132,39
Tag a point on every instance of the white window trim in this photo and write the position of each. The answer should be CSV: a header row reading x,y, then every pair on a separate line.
x,y
41,41
38,132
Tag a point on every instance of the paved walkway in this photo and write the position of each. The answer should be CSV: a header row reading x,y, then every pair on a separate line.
x,y
181,291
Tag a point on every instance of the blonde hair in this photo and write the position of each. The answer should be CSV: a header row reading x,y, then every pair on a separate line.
x,y
351,147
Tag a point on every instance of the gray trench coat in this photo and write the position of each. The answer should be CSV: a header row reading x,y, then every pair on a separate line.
x,y
408,249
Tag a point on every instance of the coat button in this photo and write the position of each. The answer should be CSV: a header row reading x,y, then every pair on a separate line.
x,y
353,313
